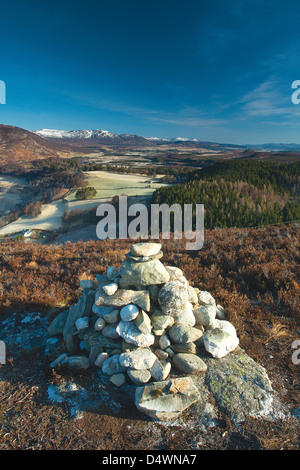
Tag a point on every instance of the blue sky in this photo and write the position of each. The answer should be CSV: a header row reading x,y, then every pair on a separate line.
x,y
208,69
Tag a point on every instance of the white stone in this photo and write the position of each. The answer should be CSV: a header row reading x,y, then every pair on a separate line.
x,y
110,289
219,343
129,312
205,298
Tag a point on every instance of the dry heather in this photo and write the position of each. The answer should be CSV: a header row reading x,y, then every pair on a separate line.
x,y
253,273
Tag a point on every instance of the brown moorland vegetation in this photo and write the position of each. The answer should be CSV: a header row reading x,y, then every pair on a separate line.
x,y
253,273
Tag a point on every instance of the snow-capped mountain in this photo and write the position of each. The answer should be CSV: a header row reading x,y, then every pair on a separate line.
x,y
80,134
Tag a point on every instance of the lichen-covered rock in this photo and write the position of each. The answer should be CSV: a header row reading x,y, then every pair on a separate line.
x,y
240,386
167,399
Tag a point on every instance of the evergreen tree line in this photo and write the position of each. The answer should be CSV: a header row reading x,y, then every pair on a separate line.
x,y
240,193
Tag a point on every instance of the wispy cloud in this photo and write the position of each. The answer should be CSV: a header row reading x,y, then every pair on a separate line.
x,y
269,99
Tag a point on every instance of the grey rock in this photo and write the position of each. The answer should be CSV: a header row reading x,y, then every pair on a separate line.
x,y
76,362
139,359
97,339
180,333
174,272
145,249
88,284
124,297
160,321
58,360
221,314
167,399
139,377
57,325
110,331
143,274
160,369
192,295
81,309
111,288
82,323
112,272
112,317
143,322
112,366
164,342
161,354
184,348
205,315
189,363
100,359
205,298
101,310
143,259
117,379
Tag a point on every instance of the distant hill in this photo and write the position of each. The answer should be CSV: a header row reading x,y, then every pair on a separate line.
x,y
19,147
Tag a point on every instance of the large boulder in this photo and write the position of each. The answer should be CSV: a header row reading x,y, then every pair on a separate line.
x,y
143,274
240,386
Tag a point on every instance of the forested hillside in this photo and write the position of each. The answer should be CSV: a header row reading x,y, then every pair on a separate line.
x,y
240,193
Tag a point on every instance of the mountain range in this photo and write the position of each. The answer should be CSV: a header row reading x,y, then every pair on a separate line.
x,y
19,147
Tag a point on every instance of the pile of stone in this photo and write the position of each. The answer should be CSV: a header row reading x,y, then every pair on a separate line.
x,y
144,324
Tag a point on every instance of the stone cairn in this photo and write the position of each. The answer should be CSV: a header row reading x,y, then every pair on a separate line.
x,y
144,324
